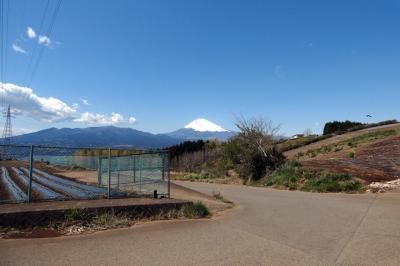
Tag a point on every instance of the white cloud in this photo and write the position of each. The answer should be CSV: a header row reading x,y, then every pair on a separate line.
x,y
44,40
30,33
100,119
25,102
132,120
85,102
19,49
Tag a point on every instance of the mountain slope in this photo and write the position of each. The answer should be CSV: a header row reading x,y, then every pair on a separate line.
x,y
202,129
97,137
123,137
190,134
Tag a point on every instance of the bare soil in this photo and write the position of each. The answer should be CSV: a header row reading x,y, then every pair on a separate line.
x,y
88,176
379,161
184,193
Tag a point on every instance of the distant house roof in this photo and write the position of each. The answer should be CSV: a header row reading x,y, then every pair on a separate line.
x,y
297,136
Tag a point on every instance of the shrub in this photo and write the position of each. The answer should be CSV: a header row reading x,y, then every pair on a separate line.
x,y
332,182
293,176
339,148
286,176
352,154
252,153
196,210
75,214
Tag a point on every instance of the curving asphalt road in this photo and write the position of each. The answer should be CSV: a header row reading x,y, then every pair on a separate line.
x,y
268,227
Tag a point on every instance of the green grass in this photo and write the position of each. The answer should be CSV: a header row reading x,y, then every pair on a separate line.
x,y
196,210
287,176
292,176
330,182
194,176
110,219
76,214
291,144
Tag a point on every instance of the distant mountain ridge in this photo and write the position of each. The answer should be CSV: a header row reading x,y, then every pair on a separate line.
x,y
96,137
111,136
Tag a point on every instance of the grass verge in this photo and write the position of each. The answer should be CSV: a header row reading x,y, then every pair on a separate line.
x,y
196,210
78,221
292,176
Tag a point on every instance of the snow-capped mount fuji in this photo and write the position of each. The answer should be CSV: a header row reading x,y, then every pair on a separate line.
x,y
203,125
202,129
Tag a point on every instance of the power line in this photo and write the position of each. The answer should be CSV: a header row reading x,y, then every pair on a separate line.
x,y
7,135
36,46
4,46
48,34
1,50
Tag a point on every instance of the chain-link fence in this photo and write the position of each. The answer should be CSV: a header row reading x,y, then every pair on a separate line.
x,y
38,173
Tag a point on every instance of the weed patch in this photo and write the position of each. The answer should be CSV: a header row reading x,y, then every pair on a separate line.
x,y
196,210
292,176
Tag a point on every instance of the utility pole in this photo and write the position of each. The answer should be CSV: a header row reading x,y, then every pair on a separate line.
x,y
7,136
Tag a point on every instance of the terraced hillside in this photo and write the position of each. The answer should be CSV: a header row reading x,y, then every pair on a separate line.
x,y
370,154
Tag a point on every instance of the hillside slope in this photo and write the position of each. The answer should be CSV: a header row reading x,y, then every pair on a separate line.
x,y
336,139
371,154
379,161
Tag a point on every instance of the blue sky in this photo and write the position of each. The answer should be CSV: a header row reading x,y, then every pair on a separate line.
x,y
165,63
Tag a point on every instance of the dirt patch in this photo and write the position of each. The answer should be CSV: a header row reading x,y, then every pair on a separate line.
x,y
216,206
87,177
375,162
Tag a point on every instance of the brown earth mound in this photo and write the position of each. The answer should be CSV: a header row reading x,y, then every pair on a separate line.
x,y
379,161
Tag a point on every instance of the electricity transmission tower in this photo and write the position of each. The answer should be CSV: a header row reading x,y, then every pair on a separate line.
x,y
7,135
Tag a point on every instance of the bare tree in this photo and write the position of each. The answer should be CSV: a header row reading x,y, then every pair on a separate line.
x,y
257,152
258,132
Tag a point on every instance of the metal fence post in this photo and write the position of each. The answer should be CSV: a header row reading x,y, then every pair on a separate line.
x,y
30,175
140,172
99,173
109,174
163,167
134,169
168,175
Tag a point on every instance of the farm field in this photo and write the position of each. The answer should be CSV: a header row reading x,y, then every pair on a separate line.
x,y
45,184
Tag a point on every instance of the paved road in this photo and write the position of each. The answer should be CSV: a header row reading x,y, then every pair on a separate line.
x,y
268,227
